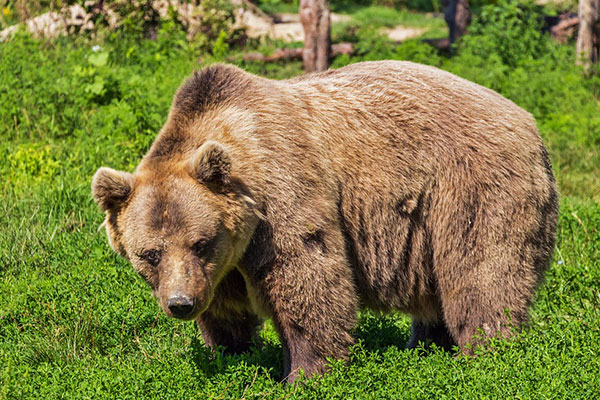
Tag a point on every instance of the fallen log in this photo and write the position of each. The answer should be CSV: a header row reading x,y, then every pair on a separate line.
x,y
564,27
296,54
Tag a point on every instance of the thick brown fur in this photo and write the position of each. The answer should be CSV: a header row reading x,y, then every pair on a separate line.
x,y
387,185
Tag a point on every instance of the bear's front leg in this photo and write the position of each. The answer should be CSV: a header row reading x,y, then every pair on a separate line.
x,y
314,305
234,332
228,321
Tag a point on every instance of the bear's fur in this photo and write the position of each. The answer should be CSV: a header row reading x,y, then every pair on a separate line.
x,y
387,185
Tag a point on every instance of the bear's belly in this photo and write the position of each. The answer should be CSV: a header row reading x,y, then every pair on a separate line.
x,y
390,253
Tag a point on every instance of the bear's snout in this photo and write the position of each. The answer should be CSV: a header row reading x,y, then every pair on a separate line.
x,y
181,306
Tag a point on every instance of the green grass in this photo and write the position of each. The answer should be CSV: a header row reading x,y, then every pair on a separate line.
x,y
277,6
390,17
376,18
77,322
371,17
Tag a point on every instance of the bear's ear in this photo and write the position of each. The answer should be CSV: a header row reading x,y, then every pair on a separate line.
x,y
211,164
111,188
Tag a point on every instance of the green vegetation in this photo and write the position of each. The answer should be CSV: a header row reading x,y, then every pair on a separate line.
x,y
77,322
372,20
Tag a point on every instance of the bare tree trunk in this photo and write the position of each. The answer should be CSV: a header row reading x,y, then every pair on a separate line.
x,y
588,38
458,16
314,15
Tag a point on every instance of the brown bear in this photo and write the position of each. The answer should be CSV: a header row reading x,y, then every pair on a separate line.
x,y
387,185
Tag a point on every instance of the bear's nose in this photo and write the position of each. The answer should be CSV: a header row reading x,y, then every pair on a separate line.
x,y
180,306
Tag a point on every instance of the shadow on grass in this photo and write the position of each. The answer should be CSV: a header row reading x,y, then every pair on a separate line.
x,y
268,356
376,333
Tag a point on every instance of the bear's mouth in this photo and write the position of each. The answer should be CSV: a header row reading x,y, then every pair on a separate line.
x,y
189,317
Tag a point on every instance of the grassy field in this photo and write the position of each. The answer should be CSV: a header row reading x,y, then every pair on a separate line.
x,y
76,322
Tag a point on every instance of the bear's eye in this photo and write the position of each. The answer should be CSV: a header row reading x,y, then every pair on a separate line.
x,y
152,257
200,248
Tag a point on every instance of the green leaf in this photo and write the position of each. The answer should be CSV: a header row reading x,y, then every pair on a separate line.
x,y
98,59
97,87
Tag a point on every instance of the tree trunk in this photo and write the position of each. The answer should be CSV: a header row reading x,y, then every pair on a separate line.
x,y
588,38
457,16
314,15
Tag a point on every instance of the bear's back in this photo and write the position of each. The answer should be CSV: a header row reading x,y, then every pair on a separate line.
x,y
432,100
413,119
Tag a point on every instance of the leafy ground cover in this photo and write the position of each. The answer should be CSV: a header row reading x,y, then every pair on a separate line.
x,y
77,322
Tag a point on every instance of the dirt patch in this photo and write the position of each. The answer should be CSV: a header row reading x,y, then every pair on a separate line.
x,y
288,31
287,26
401,33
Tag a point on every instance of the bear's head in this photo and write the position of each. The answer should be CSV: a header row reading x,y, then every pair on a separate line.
x,y
182,225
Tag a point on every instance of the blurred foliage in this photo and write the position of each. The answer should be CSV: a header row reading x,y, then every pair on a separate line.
x,y
105,86
136,18
423,6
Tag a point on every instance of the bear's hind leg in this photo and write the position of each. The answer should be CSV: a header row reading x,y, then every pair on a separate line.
x,y
488,261
430,333
473,315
